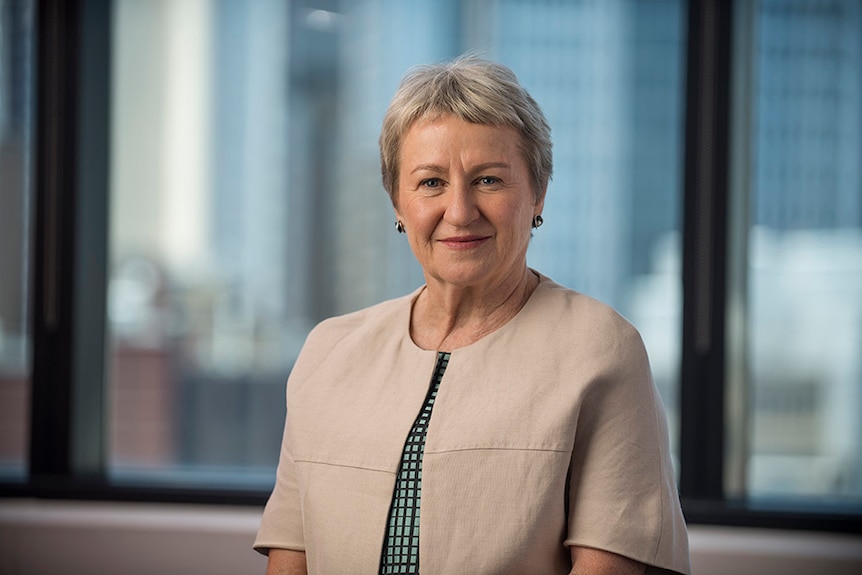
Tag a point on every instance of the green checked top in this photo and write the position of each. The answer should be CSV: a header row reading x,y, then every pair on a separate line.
x,y
401,545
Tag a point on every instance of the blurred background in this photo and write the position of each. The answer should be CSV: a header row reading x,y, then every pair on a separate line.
x,y
244,204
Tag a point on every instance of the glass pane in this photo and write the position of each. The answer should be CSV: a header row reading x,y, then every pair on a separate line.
x,y
609,76
247,203
805,252
17,82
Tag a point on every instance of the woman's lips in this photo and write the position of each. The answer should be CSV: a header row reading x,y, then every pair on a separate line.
x,y
464,242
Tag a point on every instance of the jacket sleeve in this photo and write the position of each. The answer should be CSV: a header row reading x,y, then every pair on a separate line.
x,y
622,489
281,524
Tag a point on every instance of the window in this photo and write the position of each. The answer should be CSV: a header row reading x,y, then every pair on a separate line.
x,y
216,164
16,143
804,253
246,202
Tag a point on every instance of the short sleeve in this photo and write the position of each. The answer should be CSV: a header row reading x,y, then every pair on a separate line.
x,y
281,524
622,491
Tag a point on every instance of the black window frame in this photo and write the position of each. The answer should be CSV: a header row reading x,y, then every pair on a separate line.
x,y
69,283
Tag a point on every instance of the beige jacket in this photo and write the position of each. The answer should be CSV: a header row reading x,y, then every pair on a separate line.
x,y
547,433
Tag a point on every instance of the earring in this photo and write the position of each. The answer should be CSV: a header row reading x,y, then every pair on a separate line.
x,y
538,221
399,227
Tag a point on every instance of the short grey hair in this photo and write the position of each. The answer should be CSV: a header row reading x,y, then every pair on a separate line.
x,y
474,90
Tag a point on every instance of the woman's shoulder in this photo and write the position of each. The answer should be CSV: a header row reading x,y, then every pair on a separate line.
x,y
562,305
587,336
578,321
353,333
360,323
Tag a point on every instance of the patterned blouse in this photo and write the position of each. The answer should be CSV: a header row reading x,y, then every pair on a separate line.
x,y
401,545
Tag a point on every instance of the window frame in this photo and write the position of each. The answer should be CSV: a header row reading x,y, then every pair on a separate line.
x,y
67,456
717,124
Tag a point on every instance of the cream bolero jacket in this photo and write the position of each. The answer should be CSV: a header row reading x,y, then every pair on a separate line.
x,y
546,433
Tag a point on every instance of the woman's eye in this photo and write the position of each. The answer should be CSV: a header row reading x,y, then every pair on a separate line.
x,y
488,180
430,183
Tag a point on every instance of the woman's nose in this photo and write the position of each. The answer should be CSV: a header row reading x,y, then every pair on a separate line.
x,y
461,208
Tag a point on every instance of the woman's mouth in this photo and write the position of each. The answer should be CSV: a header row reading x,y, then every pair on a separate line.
x,y
464,242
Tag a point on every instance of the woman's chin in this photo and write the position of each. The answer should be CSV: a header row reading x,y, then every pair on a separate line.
x,y
475,276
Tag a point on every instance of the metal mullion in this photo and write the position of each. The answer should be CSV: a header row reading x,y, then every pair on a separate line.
x,y
89,405
50,447
67,398
702,409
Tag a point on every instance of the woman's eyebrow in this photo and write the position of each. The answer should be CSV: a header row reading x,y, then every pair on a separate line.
x,y
488,165
427,168
436,168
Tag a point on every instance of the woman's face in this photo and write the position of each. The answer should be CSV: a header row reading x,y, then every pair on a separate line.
x,y
465,200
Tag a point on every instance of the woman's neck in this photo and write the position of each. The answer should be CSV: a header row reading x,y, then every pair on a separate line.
x,y
446,317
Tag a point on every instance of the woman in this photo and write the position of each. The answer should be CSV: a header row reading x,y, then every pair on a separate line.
x,y
540,444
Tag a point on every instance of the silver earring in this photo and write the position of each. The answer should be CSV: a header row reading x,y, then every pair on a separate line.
x,y
399,227
538,221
